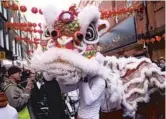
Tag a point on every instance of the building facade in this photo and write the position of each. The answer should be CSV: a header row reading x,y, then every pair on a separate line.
x,y
150,22
5,42
15,49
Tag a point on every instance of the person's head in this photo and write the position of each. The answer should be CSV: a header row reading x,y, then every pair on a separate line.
x,y
15,73
162,60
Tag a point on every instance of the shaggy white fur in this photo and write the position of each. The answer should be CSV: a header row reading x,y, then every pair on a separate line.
x,y
86,16
51,13
147,75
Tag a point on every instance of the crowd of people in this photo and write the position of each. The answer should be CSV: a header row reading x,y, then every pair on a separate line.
x,y
26,95
160,63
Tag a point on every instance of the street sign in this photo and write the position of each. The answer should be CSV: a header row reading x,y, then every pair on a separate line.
x,y
2,55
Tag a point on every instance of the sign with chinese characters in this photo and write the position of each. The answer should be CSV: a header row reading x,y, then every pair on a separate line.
x,y
119,36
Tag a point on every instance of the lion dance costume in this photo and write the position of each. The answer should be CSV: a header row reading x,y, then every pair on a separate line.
x,y
71,55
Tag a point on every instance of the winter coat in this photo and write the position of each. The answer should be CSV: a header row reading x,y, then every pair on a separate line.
x,y
17,97
47,102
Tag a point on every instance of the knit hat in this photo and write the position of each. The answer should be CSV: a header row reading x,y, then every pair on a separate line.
x,y
13,70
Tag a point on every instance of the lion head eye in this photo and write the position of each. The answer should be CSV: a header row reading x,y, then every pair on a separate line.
x,y
55,33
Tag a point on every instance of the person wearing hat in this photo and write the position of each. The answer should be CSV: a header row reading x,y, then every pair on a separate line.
x,y
4,106
18,96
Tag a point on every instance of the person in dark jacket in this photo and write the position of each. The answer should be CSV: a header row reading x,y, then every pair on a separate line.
x,y
46,99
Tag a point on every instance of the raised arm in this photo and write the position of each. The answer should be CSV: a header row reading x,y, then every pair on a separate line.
x,y
91,94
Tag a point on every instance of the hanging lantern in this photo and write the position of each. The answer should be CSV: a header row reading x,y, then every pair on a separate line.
x,y
39,24
141,41
36,39
24,24
40,11
34,30
30,24
28,52
147,41
30,30
40,31
6,4
43,43
158,38
152,40
34,24
34,10
23,8
14,7
14,25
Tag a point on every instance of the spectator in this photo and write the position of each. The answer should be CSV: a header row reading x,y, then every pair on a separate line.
x,y
18,96
6,111
162,63
46,100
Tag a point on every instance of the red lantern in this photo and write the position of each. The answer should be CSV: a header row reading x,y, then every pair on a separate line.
x,y
30,24
147,41
152,40
34,10
28,52
141,41
23,8
36,39
40,31
14,6
34,24
43,43
34,30
39,24
40,11
24,24
6,4
158,38
26,29
30,30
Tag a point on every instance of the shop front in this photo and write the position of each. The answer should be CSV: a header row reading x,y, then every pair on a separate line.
x,y
119,38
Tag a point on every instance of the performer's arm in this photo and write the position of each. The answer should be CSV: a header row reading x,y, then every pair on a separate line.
x,y
91,94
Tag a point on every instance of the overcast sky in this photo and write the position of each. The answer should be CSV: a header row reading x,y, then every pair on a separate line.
x,y
62,4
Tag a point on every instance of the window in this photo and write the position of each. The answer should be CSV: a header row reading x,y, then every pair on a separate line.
x,y
14,45
12,19
1,38
128,3
116,19
5,13
0,7
7,41
19,49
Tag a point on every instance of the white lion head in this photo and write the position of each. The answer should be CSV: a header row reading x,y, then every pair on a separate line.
x,y
73,38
